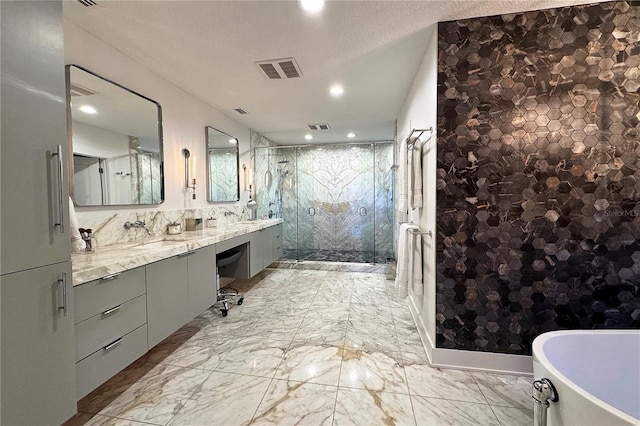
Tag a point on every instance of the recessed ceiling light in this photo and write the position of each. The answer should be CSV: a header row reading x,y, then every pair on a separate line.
x,y
312,6
88,109
308,137
351,135
233,140
336,90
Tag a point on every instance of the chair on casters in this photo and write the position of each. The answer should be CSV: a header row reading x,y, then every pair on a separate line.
x,y
229,293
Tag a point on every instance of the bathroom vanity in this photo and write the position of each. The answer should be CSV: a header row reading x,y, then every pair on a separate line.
x,y
130,297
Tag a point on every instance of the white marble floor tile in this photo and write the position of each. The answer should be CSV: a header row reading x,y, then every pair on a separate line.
x,y
254,355
374,371
374,298
373,336
276,327
296,403
512,416
372,408
439,412
146,393
192,356
367,313
506,390
223,399
335,312
87,419
311,363
430,382
323,331
330,296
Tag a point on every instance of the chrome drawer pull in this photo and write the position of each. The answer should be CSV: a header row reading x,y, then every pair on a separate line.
x,y
110,277
112,310
113,344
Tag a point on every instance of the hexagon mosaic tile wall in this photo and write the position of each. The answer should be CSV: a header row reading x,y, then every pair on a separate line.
x,y
538,175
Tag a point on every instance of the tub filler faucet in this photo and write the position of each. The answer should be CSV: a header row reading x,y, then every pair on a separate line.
x,y
543,393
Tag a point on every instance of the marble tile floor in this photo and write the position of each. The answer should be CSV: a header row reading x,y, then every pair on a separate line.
x,y
307,347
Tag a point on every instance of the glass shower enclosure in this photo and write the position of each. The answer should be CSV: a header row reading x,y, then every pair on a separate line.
x,y
336,200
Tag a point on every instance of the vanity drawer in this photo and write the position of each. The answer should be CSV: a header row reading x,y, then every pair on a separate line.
x,y
100,330
96,369
97,296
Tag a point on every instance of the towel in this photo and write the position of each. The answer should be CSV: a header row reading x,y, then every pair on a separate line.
x,y
403,178
405,253
416,174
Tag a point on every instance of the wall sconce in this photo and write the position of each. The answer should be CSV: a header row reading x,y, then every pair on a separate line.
x,y
189,178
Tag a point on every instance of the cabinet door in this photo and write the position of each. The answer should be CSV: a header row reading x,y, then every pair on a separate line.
x,y
33,125
167,302
255,253
267,247
202,280
38,365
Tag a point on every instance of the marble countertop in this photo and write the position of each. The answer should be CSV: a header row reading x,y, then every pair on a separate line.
x,y
112,259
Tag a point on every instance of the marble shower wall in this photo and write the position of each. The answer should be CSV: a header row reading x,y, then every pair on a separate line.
x,y
332,198
538,175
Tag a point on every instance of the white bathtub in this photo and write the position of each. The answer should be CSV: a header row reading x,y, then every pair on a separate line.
x,y
596,374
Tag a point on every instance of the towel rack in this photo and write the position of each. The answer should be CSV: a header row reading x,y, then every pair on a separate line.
x,y
411,140
418,231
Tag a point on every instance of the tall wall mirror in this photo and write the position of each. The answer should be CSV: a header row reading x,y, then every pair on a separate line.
x,y
223,160
115,135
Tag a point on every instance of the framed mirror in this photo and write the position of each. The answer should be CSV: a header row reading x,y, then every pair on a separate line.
x,y
115,135
223,164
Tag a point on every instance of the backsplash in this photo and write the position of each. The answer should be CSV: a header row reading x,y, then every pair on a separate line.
x,y
108,226
538,174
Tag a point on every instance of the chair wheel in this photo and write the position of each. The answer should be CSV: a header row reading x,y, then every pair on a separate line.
x,y
224,312
240,301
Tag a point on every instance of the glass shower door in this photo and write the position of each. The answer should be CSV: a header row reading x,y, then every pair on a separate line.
x,y
336,193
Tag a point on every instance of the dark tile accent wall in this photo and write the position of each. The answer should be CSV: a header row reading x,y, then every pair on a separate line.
x,y
538,175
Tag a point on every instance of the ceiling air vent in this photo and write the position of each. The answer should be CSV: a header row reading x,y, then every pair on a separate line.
x,y
276,69
240,111
323,126
77,90
87,2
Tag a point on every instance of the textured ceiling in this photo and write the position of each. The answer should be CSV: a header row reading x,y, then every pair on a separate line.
x,y
209,49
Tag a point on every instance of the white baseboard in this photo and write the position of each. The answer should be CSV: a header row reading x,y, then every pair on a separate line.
x,y
470,360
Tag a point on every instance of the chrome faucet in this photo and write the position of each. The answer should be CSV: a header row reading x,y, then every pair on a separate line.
x,y
230,213
137,224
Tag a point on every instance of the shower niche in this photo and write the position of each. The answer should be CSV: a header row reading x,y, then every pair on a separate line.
x,y
336,200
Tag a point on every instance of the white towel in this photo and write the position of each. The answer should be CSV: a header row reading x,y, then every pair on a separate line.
x,y
416,174
403,177
405,253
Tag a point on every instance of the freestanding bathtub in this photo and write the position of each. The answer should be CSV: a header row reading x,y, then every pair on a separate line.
x,y
596,374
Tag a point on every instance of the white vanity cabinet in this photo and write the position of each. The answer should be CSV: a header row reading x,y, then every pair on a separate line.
x,y
201,274
271,245
110,329
179,289
259,249
37,361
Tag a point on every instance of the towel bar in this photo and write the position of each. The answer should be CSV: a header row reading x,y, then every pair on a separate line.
x,y
417,231
411,141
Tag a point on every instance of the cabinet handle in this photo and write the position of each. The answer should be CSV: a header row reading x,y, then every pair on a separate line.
x,y
362,211
60,190
186,253
112,310
113,344
110,277
62,281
